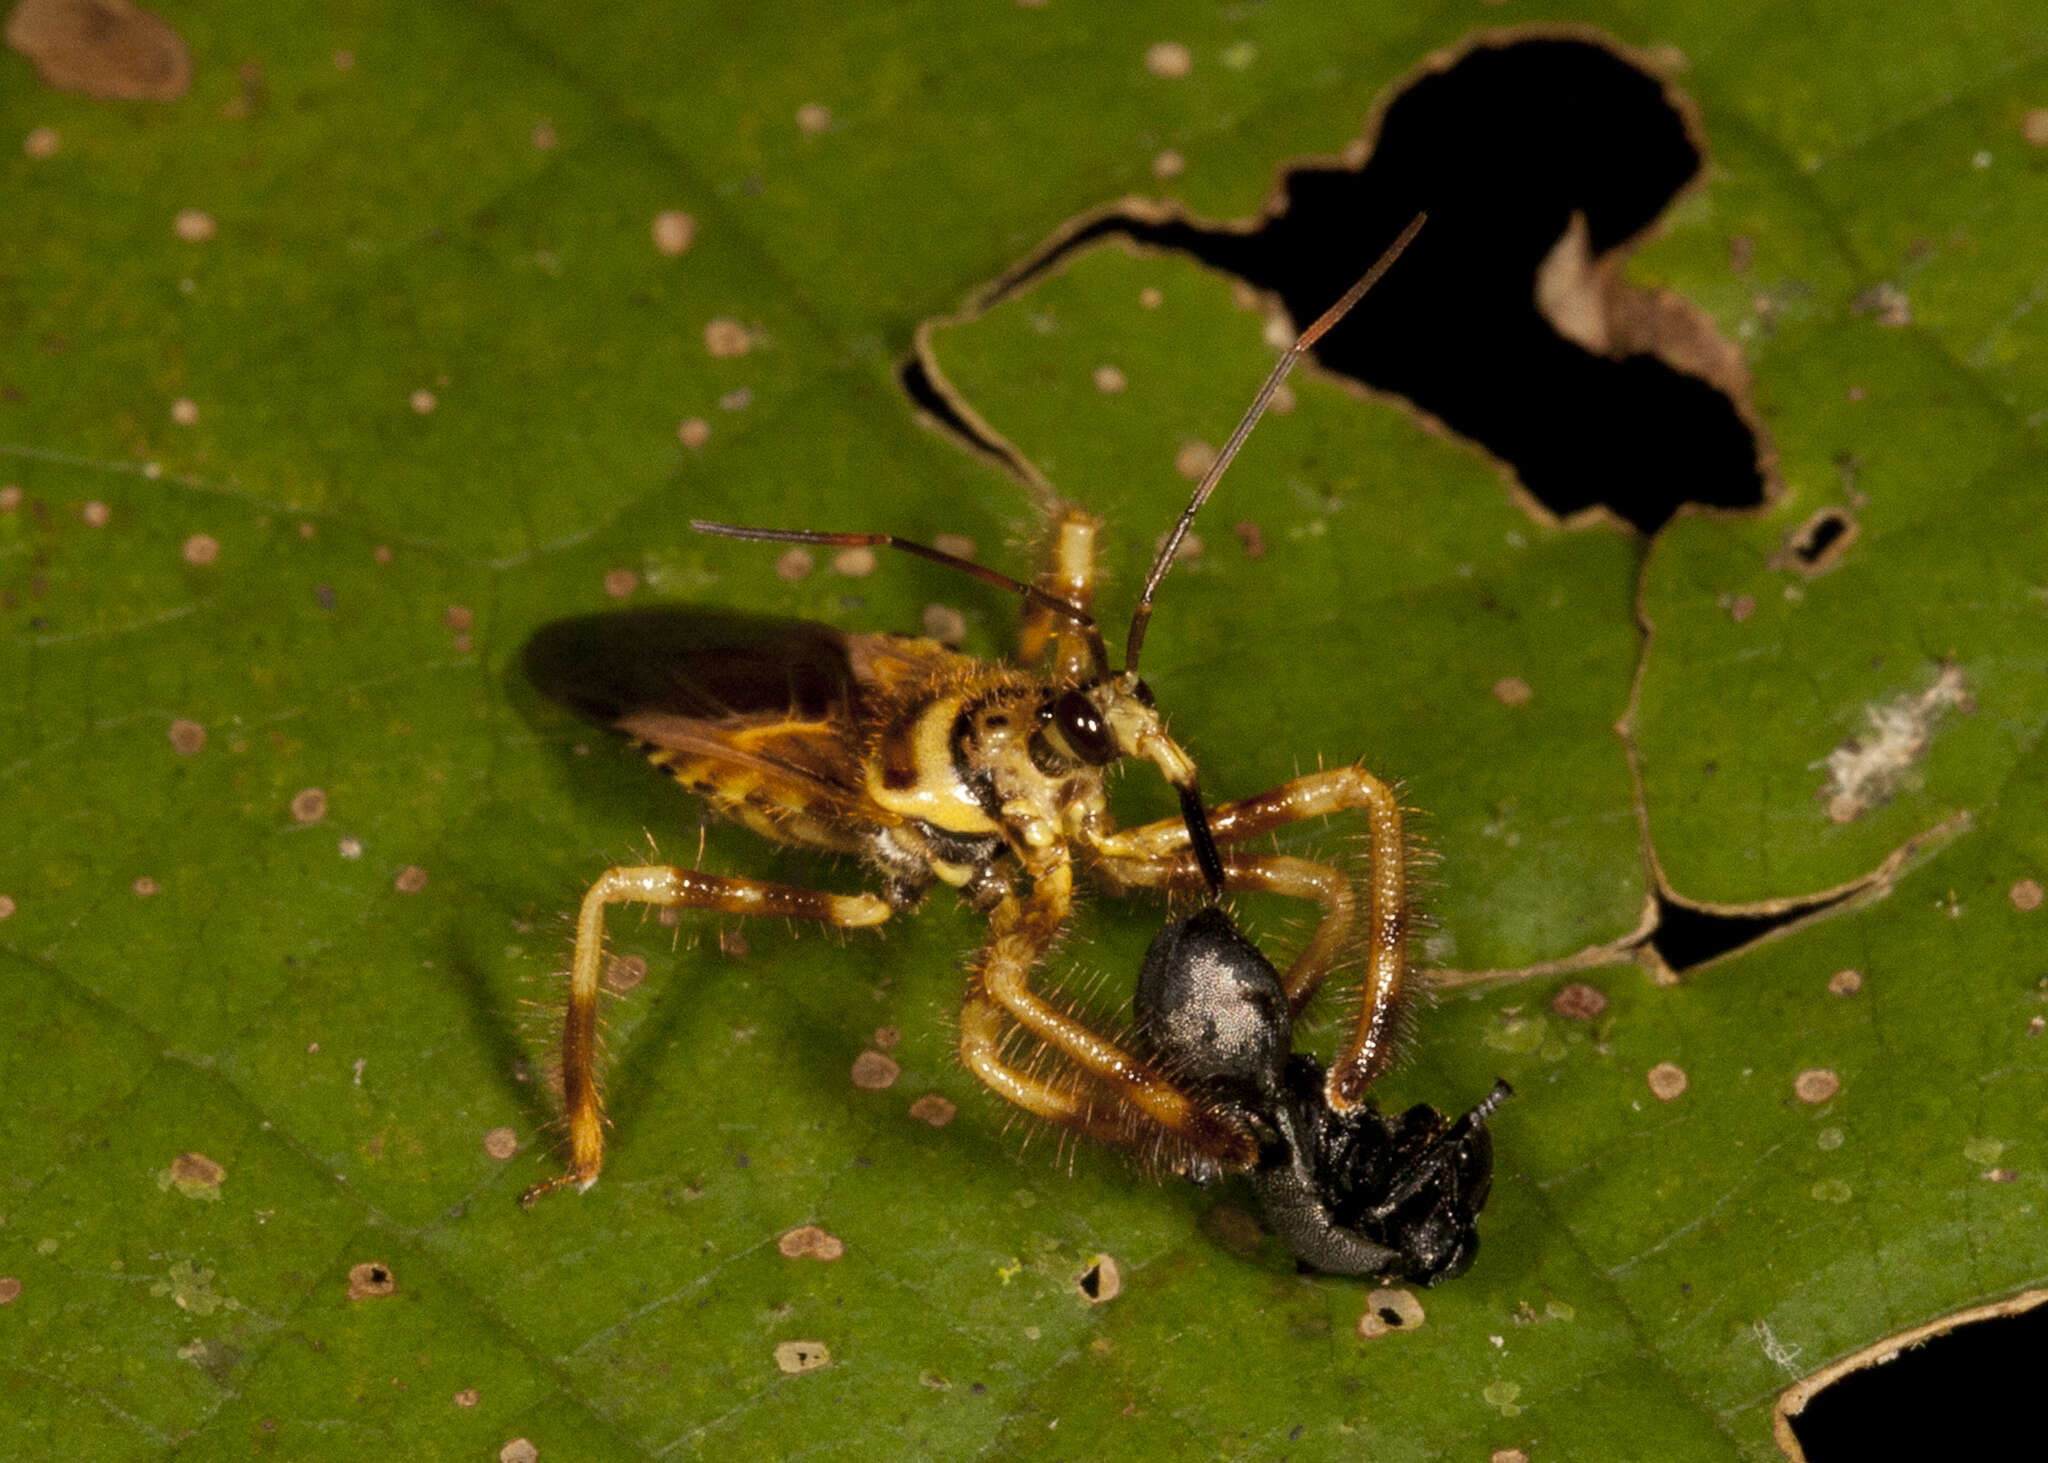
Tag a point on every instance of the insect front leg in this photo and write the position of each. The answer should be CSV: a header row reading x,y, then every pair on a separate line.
x,y
1158,855
658,884
1115,1082
1069,573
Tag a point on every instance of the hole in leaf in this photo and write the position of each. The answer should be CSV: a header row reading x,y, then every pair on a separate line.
x,y
1688,937
1509,148
1963,1393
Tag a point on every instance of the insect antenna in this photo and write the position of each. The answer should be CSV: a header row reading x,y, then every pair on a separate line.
x,y
1142,616
1031,593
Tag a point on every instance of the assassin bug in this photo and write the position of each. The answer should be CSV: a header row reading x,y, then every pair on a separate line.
x,y
934,767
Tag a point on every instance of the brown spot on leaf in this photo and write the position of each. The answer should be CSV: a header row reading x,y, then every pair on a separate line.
x,y
959,545
458,617
1579,1001
693,432
1388,1310
145,887
501,1143
724,339
1248,534
41,142
10,1289
1194,459
1101,1281
793,564
674,232
1109,380
95,514
467,1397
423,401
623,972
873,1072
7,907
1169,59
1512,691
102,48
185,411
855,563
933,1109
814,119
620,583
194,225
371,1280
887,1038
1816,1084
411,879
1169,164
1845,982
809,1240
795,1357
201,549
1667,1080
519,1450
195,1175
309,805
2026,895
944,624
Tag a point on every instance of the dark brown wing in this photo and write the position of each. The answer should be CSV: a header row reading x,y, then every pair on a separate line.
x,y
746,709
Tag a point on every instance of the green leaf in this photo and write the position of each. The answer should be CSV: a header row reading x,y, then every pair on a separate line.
x,y
331,573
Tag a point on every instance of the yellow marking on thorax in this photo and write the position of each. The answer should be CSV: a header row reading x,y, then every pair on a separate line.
x,y
934,793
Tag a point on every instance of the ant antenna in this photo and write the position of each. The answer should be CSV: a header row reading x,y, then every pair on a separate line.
x,y
1142,616
1032,593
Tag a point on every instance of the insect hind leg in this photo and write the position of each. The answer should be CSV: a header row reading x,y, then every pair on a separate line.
x,y
672,888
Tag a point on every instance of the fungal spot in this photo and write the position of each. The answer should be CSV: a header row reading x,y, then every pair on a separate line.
x,y
1507,1455
458,617
693,432
1667,1080
620,583
194,225
41,142
724,339
10,498
1816,1084
350,848
1169,59
795,1357
873,1072
1817,545
107,49
145,887
309,805
1388,1310
1741,607
1999,1175
2035,1024
1248,534
1150,298
371,1281
467,1397
674,232
854,563
959,545
1512,691
96,514
411,879
1169,164
731,943
201,549
501,1143
1194,459
1845,982
186,737
887,1038
2026,895
1889,304
543,136
381,554
1109,380
1865,771
194,1175
519,1450
1829,1139
814,119
7,907
10,1289
424,401
1579,1001
1832,1191
1101,1281
793,564
185,411
809,1240
623,972
944,624
933,1109
738,400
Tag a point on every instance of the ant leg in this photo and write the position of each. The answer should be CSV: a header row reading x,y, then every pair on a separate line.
x,y
672,888
1159,854
1069,574
1021,931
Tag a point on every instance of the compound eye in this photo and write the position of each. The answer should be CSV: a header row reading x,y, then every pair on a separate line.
x,y
1082,728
